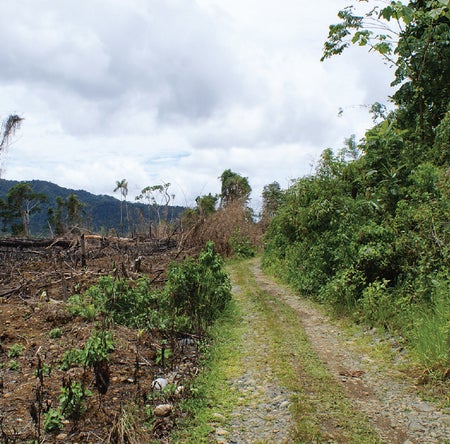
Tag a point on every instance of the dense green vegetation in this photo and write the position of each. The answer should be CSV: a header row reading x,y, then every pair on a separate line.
x,y
195,293
368,233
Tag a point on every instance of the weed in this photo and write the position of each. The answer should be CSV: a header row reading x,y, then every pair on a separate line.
x,y
72,399
55,333
13,365
163,353
431,333
125,429
84,306
71,357
53,420
98,347
15,351
43,370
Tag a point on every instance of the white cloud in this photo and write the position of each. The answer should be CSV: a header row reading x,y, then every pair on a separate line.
x,y
177,91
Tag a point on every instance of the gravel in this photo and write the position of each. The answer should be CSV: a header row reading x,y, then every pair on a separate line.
x,y
388,398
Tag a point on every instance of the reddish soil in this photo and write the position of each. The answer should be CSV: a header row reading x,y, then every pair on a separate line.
x,y
34,282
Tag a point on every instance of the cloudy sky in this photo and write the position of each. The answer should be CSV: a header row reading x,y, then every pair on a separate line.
x,y
157,91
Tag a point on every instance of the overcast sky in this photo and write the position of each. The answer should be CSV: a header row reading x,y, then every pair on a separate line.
x,y
156,91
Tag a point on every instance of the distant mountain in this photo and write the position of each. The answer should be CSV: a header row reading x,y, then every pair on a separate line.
x,y
102,213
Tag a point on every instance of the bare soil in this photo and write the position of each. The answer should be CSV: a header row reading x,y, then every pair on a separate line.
x,y
34,282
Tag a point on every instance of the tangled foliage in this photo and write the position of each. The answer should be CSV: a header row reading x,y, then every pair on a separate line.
x,y
369,233
196,291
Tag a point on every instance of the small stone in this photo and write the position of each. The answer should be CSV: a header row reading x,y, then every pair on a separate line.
x,y
61,436
179,390
423,407
415,426
222,432
218,416
284,404
159,384
162,410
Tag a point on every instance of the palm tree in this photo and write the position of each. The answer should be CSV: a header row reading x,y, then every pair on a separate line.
x,y
8,127
122,185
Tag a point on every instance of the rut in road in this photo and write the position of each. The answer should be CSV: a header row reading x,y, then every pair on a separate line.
x,y
303,381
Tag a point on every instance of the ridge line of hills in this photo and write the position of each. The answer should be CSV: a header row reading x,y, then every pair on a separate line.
x,y
102,212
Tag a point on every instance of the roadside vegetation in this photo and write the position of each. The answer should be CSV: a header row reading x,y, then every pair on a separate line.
x,y
320,410
368,232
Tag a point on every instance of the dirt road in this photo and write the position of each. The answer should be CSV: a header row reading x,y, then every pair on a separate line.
x,y
305,380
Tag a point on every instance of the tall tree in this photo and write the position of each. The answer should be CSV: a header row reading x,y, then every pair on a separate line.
x,y
157,196
235,188
206,204
122,185
272,197
7,130
414,38
21,202
67,215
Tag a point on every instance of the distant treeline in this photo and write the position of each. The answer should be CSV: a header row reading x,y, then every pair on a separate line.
x,y
98,213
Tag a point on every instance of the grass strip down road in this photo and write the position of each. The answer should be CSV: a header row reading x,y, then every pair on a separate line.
x,y
264,382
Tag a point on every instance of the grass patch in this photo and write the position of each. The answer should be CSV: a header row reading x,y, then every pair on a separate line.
x,y
320,410
212,400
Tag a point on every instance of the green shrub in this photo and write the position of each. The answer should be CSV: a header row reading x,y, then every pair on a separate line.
x,y
198,290
53,420
73,356
195,293
240,245
134,304
13,365
55,333
72,400
97,349
15,351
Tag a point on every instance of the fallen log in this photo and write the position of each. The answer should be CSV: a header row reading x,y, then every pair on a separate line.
x,y
35,243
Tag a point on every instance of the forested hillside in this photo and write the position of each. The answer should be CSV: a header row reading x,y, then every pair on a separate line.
x,y
98,213
368,233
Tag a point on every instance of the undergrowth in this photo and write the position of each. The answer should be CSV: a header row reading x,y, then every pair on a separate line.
x,y
221,362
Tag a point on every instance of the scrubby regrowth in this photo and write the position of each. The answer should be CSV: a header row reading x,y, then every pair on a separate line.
x,y
368,233
93,365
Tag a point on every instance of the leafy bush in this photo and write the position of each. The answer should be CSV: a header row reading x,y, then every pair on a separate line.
x,y
53,420
198,290
72,400
97,349
15,351
369,237
240,245
71,357
134,304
